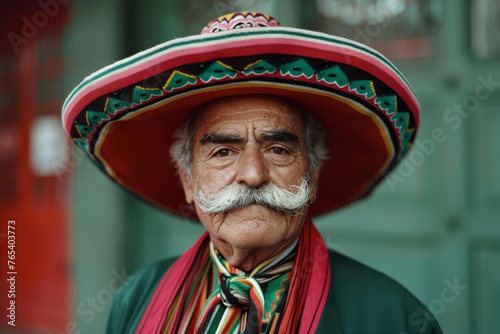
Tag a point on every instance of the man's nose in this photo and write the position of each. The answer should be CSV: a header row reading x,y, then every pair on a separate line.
x,y
252,169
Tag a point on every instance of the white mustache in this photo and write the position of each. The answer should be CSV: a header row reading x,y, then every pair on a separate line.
x,y
234,197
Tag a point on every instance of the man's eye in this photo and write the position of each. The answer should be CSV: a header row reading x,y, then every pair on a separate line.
x,y
278,150
222,153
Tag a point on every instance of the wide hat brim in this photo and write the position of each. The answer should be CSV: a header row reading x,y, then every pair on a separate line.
x,y
124,115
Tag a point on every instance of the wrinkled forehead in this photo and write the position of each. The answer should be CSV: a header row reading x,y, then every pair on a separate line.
x,y
269,112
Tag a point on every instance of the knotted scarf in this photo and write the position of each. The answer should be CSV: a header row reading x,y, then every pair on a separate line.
x,y
185,285
239,300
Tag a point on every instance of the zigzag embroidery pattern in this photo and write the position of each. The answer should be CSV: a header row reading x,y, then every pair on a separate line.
x,y
218,70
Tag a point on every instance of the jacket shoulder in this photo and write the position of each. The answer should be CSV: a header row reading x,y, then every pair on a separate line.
x,y
364,300
133,297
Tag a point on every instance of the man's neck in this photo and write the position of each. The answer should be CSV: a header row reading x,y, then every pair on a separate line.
x,y
249,258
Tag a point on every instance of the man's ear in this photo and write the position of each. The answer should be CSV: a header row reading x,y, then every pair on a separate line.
x,y
188,185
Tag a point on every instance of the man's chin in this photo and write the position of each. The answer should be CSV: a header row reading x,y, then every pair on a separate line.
x,y
253,226
256,223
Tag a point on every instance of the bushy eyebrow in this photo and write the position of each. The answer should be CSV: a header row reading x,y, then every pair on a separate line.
x,y
280,136
267,135
220,138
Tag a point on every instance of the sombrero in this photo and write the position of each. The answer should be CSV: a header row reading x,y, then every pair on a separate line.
x,y
124,115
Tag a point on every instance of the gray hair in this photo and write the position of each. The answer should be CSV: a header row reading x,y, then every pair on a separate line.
x,y
181,149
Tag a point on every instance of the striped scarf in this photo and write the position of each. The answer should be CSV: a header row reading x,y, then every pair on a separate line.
x,y
247,303
193,297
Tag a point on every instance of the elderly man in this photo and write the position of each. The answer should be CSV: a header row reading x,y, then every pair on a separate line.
x,y
266,122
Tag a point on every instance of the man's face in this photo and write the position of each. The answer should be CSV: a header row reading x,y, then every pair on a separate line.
x,y
249,141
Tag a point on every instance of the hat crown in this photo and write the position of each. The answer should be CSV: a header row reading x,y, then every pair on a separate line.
x,y
240,20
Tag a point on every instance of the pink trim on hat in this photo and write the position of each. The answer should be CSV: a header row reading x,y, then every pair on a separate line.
x,y
206,51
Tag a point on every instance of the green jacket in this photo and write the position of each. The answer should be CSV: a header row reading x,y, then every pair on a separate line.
x,y
360,300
